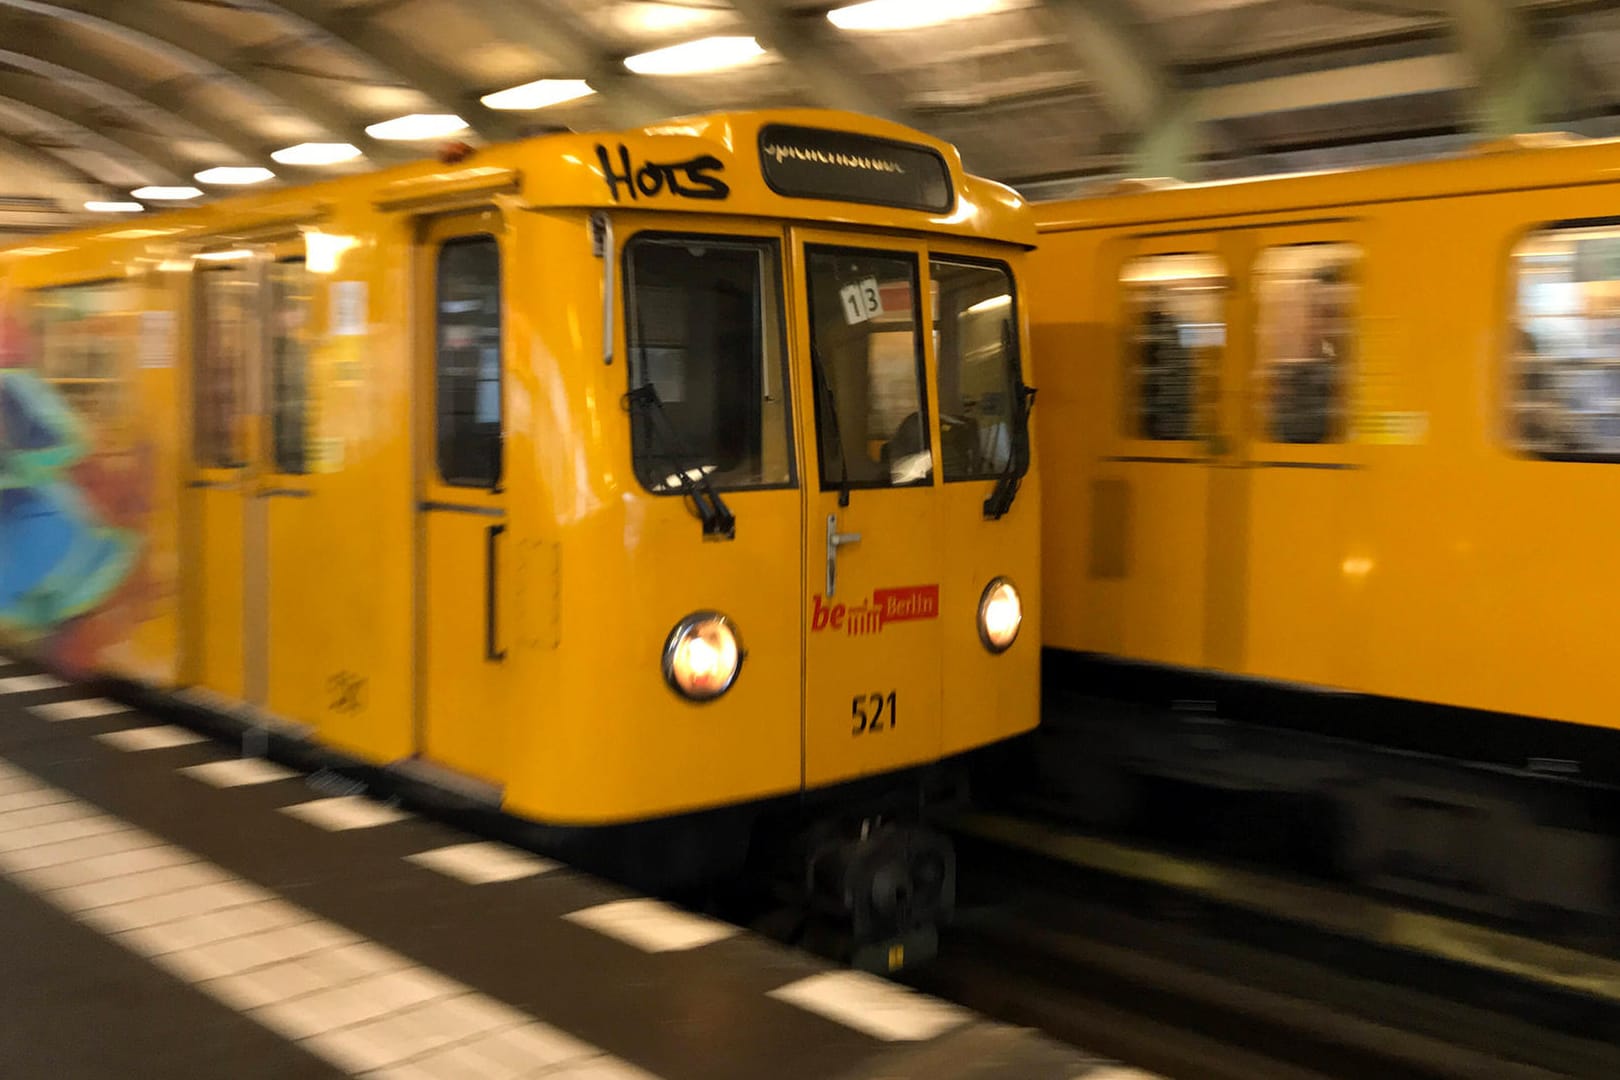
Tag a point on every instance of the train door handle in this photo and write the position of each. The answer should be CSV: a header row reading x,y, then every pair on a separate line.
x,y
836,540
492,651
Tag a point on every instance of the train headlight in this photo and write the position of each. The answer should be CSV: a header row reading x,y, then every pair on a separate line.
x,y
1001,613
702,656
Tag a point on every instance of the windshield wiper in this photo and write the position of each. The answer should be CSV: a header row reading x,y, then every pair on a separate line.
x,y
831,408
691,479
1018,448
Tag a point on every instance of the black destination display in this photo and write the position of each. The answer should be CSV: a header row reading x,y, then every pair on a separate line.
x,y
813,163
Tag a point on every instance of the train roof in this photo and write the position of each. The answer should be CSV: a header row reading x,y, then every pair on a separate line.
x,y
816,165
1519,163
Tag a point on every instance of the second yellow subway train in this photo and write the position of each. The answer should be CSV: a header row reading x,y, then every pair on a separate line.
x,y
608,478
1332,465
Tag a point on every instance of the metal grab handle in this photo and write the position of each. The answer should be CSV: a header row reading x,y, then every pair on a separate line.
x,y
836,540
491,581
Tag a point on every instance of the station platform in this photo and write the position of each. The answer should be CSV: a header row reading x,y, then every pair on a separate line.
x,y
174,909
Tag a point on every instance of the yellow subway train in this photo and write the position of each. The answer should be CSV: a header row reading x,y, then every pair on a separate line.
x,y
1331,472
609,479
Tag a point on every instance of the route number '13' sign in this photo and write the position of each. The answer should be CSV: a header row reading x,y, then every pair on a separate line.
x,y
862,301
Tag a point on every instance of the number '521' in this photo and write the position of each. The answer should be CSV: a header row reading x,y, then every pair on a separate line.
x,y
872,712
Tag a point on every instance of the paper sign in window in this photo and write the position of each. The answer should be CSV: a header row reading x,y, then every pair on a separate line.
x,y
862,301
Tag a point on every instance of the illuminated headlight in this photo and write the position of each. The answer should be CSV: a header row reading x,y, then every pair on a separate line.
x,y
702,656
1001,612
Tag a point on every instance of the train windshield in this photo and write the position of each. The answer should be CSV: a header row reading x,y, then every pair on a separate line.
x,y
975,324
868,366
707,353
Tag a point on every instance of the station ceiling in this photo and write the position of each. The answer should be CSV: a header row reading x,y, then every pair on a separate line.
x,y
99,98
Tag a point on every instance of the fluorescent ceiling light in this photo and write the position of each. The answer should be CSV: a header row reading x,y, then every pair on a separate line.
x,y
991,304
225,256
693,57
317,153
538,94
102,207
159,193
235,175
907,14
417,126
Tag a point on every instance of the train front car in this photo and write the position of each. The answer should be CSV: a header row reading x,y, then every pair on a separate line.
x,y
655,487
798,549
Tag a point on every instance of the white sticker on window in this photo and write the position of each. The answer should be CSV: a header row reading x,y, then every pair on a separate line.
x,y
348,308
157,339
862,301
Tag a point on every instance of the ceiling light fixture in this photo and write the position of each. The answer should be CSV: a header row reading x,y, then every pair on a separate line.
x,y
159,193
96,206
235,175
317,153
907,14
538,94
417,126
233,255
694,57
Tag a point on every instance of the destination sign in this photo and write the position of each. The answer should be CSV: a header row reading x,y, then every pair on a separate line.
x,y
814,163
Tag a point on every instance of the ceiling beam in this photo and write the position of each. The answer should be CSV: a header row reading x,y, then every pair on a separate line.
x,y
814,54
178,101
1130,67
1516,87
141,24
146,155
1334,86
393,53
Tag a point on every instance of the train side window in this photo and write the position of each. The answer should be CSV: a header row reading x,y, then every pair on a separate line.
x,y
1564,395
867,356
83,333
707,354
1175,333
468,361
289,365
975,325
227,332
1306,298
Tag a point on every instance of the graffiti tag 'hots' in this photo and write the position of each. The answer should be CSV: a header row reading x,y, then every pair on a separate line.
x,y
693,178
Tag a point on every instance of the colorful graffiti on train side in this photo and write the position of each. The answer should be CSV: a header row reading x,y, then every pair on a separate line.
x,y
76,476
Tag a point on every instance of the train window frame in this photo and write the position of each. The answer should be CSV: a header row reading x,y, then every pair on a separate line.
x,y
301,465
1264,394
234,414
772,249
828,474
1018,442
1205,406
490,481
70,387
1510,382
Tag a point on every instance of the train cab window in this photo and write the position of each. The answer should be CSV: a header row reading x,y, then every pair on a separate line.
x,y
707,362
867,357
1175,333
289,365
1564,394
468,361
228,328
1306,297
975,327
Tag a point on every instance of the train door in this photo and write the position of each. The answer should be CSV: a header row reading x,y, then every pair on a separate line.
x,y
1151,522
226,347
284,507
1283,541
462,507
874,521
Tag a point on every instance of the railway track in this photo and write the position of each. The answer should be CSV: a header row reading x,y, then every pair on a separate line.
x,y
1198,970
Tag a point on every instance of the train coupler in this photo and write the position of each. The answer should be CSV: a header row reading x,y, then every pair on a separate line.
x,y
883,888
